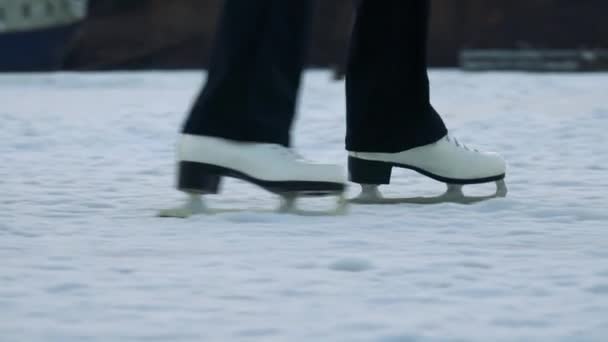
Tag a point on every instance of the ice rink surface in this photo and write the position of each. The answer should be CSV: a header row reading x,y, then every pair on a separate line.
x,y
87,160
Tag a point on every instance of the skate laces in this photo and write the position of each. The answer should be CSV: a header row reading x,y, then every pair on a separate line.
x,y
454,141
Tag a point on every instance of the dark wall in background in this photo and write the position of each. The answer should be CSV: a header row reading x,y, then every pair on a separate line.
x,y
557,24
144,33
138,34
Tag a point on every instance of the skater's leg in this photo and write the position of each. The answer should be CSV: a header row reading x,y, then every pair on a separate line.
x,y
388,107
391,122
239,126
254,74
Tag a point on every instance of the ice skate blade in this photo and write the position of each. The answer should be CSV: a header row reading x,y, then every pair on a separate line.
x,y
370,195
195,206
424,200
289,206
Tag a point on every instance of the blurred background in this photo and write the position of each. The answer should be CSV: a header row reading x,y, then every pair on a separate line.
x,y
534,35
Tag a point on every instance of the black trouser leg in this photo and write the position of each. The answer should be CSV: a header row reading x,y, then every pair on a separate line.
x,y
254,72
388,106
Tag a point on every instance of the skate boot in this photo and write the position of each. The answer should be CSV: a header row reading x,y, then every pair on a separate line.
x,y
203,161
446,160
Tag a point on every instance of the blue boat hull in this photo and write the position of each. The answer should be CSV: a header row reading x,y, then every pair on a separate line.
x,y
35,50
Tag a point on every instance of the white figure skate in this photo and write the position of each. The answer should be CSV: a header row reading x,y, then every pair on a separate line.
x,y
446,160
203,161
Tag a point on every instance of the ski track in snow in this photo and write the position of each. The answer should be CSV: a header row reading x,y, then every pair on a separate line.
x,y
87,159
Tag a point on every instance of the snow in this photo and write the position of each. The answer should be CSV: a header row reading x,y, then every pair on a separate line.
x,y
87,160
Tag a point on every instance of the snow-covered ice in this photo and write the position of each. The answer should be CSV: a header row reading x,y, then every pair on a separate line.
x,y
87,160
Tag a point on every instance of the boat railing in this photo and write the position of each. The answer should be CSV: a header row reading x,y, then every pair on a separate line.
x,y
24,15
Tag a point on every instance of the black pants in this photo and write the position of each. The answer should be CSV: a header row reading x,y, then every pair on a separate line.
x,y
258,58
